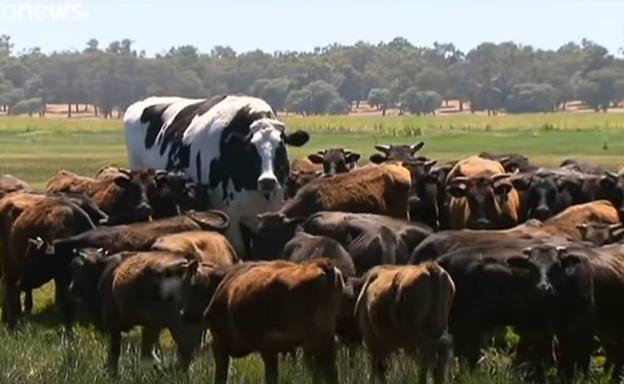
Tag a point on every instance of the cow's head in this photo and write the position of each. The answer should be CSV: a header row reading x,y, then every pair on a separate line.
x,y
335,160
268,139
395,152
298,179
546,266
39,264
199,283
547,193
86,267
485,196
512,162
423,196
613,186
126,200
274,230
601,233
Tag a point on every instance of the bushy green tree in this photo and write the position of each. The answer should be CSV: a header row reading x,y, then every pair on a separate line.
x,y
531,97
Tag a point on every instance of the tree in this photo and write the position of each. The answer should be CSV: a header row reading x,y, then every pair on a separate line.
x,y
419,102
29,106
318,97
531,97
380,98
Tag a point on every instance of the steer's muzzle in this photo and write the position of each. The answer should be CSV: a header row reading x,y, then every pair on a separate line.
x,y
267,185
143,211
542,212
546,289
480,224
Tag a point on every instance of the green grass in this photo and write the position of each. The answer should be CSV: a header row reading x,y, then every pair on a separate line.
x,y
34,149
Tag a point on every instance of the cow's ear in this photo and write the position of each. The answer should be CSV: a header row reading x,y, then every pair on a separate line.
x,y
519,262
608,180
297,138
353,157
122,181
456,190
521,182
416,147
316,158
503,189
569,262
377,158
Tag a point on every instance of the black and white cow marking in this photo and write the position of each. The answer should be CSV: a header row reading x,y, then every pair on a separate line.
x,y
232,144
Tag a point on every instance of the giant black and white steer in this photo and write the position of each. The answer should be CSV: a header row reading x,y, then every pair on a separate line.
x,y
232,144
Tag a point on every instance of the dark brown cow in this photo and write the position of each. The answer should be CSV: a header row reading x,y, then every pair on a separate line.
x,y
302,171
121,197
482,196
396,152
9,184
305,247
512,162
582,166
168,194
141,236
270,308
370,239
407,307
335,160
424,193
27,228
136,289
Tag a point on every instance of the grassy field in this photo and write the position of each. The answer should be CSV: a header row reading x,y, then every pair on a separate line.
x,y
34,149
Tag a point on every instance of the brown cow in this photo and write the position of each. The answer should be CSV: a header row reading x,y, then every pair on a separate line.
x,y
207,247
9,184
567,222
382,190
270,308
136,289
302,172
482,197
27,226
407,307
121,197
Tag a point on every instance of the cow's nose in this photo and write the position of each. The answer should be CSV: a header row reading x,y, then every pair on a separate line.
x,y
267,184
482,224
545,288
144,210
542,212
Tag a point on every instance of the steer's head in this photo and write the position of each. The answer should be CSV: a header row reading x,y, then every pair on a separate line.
x,y
546,266
267,139
485,195
335,160
613,184
601,233
395,152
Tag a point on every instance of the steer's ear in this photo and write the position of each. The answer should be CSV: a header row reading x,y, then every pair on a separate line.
x,y
316,158
377,158
502,189
609,179
122,181
521,182
353,157
518,262
457,190
569,262
297,138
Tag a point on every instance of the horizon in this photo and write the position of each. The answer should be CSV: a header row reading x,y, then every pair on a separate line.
x,y
155,26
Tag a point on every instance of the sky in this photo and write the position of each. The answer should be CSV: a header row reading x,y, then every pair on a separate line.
x,y
301,25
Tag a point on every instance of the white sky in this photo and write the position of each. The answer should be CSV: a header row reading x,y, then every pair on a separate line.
x,y
157,25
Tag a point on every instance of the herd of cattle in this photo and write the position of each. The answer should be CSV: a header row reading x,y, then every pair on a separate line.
x,y
213,229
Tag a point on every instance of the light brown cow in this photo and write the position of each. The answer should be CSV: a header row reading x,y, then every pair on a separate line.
x,y
407,307
270,308
302,172
208,247
9,184
482,197
121,197
568,223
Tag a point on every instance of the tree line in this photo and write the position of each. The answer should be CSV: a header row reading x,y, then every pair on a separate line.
x,y
328,80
